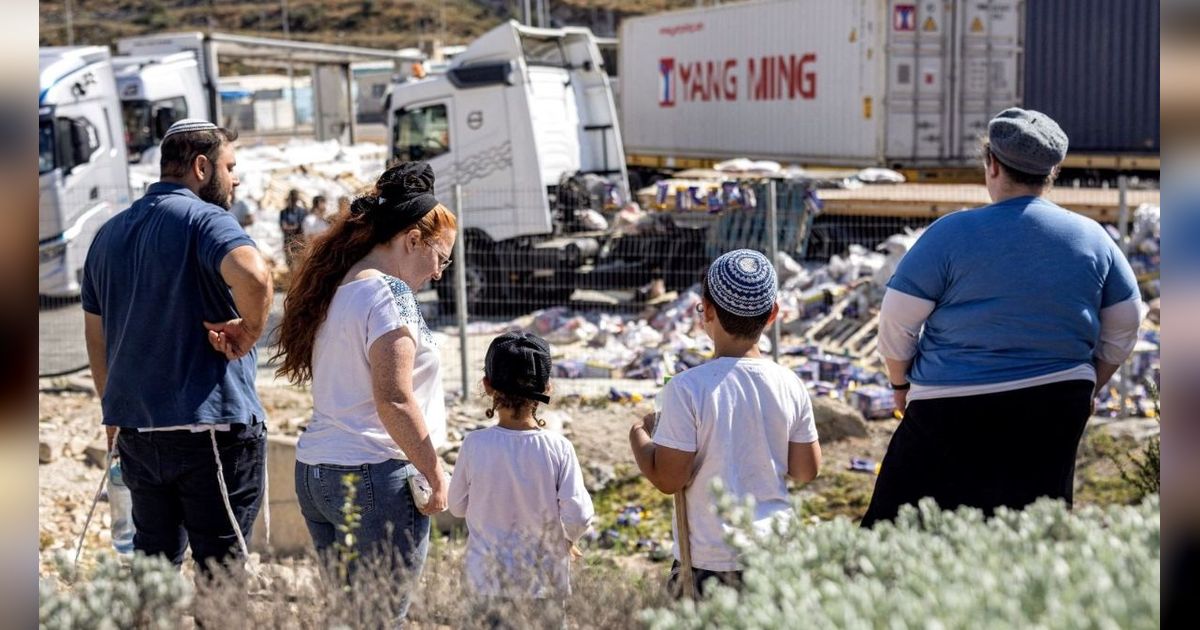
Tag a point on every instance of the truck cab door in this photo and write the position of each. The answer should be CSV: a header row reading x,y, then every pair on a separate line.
x,y
81,150
91,182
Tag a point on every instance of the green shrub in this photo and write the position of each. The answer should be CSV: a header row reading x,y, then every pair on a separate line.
x,y
1044,567
145,592
1143,472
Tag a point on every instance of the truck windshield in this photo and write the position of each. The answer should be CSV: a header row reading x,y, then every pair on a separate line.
x,y
139,128
543,51
46,161
422,133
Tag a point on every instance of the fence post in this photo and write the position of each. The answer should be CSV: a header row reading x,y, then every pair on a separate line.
x,y
460,291
1124,386
1123,212
773,253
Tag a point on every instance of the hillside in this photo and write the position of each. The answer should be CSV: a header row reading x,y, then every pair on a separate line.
x,y
373,23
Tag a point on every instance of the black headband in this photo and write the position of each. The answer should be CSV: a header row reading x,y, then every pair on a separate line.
x,y
410,210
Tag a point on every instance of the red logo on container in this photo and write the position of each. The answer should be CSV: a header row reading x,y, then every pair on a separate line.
x,y
904,17
778,77
666,82
681,29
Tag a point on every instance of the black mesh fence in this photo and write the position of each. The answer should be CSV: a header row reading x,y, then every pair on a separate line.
x,y
71,210
532,249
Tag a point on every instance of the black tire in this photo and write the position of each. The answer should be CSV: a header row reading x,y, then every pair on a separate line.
x,y
481,291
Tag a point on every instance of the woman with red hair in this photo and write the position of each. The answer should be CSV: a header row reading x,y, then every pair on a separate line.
x,y
351,326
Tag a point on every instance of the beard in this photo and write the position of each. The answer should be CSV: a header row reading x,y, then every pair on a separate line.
x,y
211,192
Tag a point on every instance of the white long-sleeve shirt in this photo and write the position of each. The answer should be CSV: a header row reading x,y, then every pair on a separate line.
x,y
523,497
901,317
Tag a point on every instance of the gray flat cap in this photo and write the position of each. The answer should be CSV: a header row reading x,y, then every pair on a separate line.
x,y
1028,141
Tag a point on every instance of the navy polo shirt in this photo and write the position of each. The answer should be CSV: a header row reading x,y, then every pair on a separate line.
x,y
153,275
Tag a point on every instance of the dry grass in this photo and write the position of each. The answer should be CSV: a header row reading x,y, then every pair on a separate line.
x,y
294,595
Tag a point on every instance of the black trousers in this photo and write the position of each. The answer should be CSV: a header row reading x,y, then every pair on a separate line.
x,y
702,579
172,477
1006,449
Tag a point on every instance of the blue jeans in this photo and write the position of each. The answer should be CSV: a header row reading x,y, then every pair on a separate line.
x,y
172,478
390,528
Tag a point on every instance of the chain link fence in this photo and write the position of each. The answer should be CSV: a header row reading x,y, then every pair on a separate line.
x,y
612,286
531,249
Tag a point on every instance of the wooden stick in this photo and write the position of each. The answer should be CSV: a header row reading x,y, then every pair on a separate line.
x,y
686,580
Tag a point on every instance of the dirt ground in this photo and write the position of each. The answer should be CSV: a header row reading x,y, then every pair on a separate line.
x,y
69,423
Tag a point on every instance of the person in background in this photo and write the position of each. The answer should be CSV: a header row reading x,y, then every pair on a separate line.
x,y
243,210
291,221
998,329
316,221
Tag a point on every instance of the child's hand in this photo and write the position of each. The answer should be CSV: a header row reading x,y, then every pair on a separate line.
x,y
575,552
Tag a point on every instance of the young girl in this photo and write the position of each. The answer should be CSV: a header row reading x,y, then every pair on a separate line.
x,y
519,487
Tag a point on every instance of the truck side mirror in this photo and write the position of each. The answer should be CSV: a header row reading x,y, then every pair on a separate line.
x,y
164,117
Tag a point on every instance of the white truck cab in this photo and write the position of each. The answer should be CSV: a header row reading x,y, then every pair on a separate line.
x,y
82,168
156,91
518,113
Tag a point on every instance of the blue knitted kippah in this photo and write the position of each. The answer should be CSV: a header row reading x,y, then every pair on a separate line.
x,y
742,282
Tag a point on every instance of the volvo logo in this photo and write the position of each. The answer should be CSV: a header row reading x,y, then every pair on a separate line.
x,y
475,119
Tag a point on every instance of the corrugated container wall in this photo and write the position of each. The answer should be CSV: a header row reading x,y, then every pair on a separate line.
x,y
850,82
1092,65
777,79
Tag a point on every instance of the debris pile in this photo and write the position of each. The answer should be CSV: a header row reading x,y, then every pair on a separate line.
x,y
268,172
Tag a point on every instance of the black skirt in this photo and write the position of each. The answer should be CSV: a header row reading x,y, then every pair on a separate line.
x,y
1005,449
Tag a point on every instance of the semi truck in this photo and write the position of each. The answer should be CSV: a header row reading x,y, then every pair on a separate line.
x,y
180,71
156,91
524,122
83,176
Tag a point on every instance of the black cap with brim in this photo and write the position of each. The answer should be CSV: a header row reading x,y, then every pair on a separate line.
x,y
518,364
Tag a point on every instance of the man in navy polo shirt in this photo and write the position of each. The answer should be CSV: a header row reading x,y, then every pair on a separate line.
x,y
175,296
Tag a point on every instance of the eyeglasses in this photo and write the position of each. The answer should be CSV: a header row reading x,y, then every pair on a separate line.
x,y
443,259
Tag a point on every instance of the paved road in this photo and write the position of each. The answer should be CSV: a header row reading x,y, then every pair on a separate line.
x,y
60,336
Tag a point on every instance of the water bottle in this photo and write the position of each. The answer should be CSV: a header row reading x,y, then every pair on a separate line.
x,y
121,504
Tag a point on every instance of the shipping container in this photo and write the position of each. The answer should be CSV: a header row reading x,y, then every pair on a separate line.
x,y
1092,65
839,82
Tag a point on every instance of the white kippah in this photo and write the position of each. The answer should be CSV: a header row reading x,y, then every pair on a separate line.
x,y
188,124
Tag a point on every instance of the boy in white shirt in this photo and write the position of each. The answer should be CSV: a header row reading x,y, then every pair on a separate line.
x,y
520,488
740,418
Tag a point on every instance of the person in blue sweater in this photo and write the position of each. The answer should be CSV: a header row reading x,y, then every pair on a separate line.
x,y
998,328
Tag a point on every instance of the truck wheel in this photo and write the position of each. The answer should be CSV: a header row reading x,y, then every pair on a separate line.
x,y
481,294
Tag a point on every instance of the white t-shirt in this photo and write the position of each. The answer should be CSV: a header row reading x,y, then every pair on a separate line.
x,y
523,497
738,416
345,427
